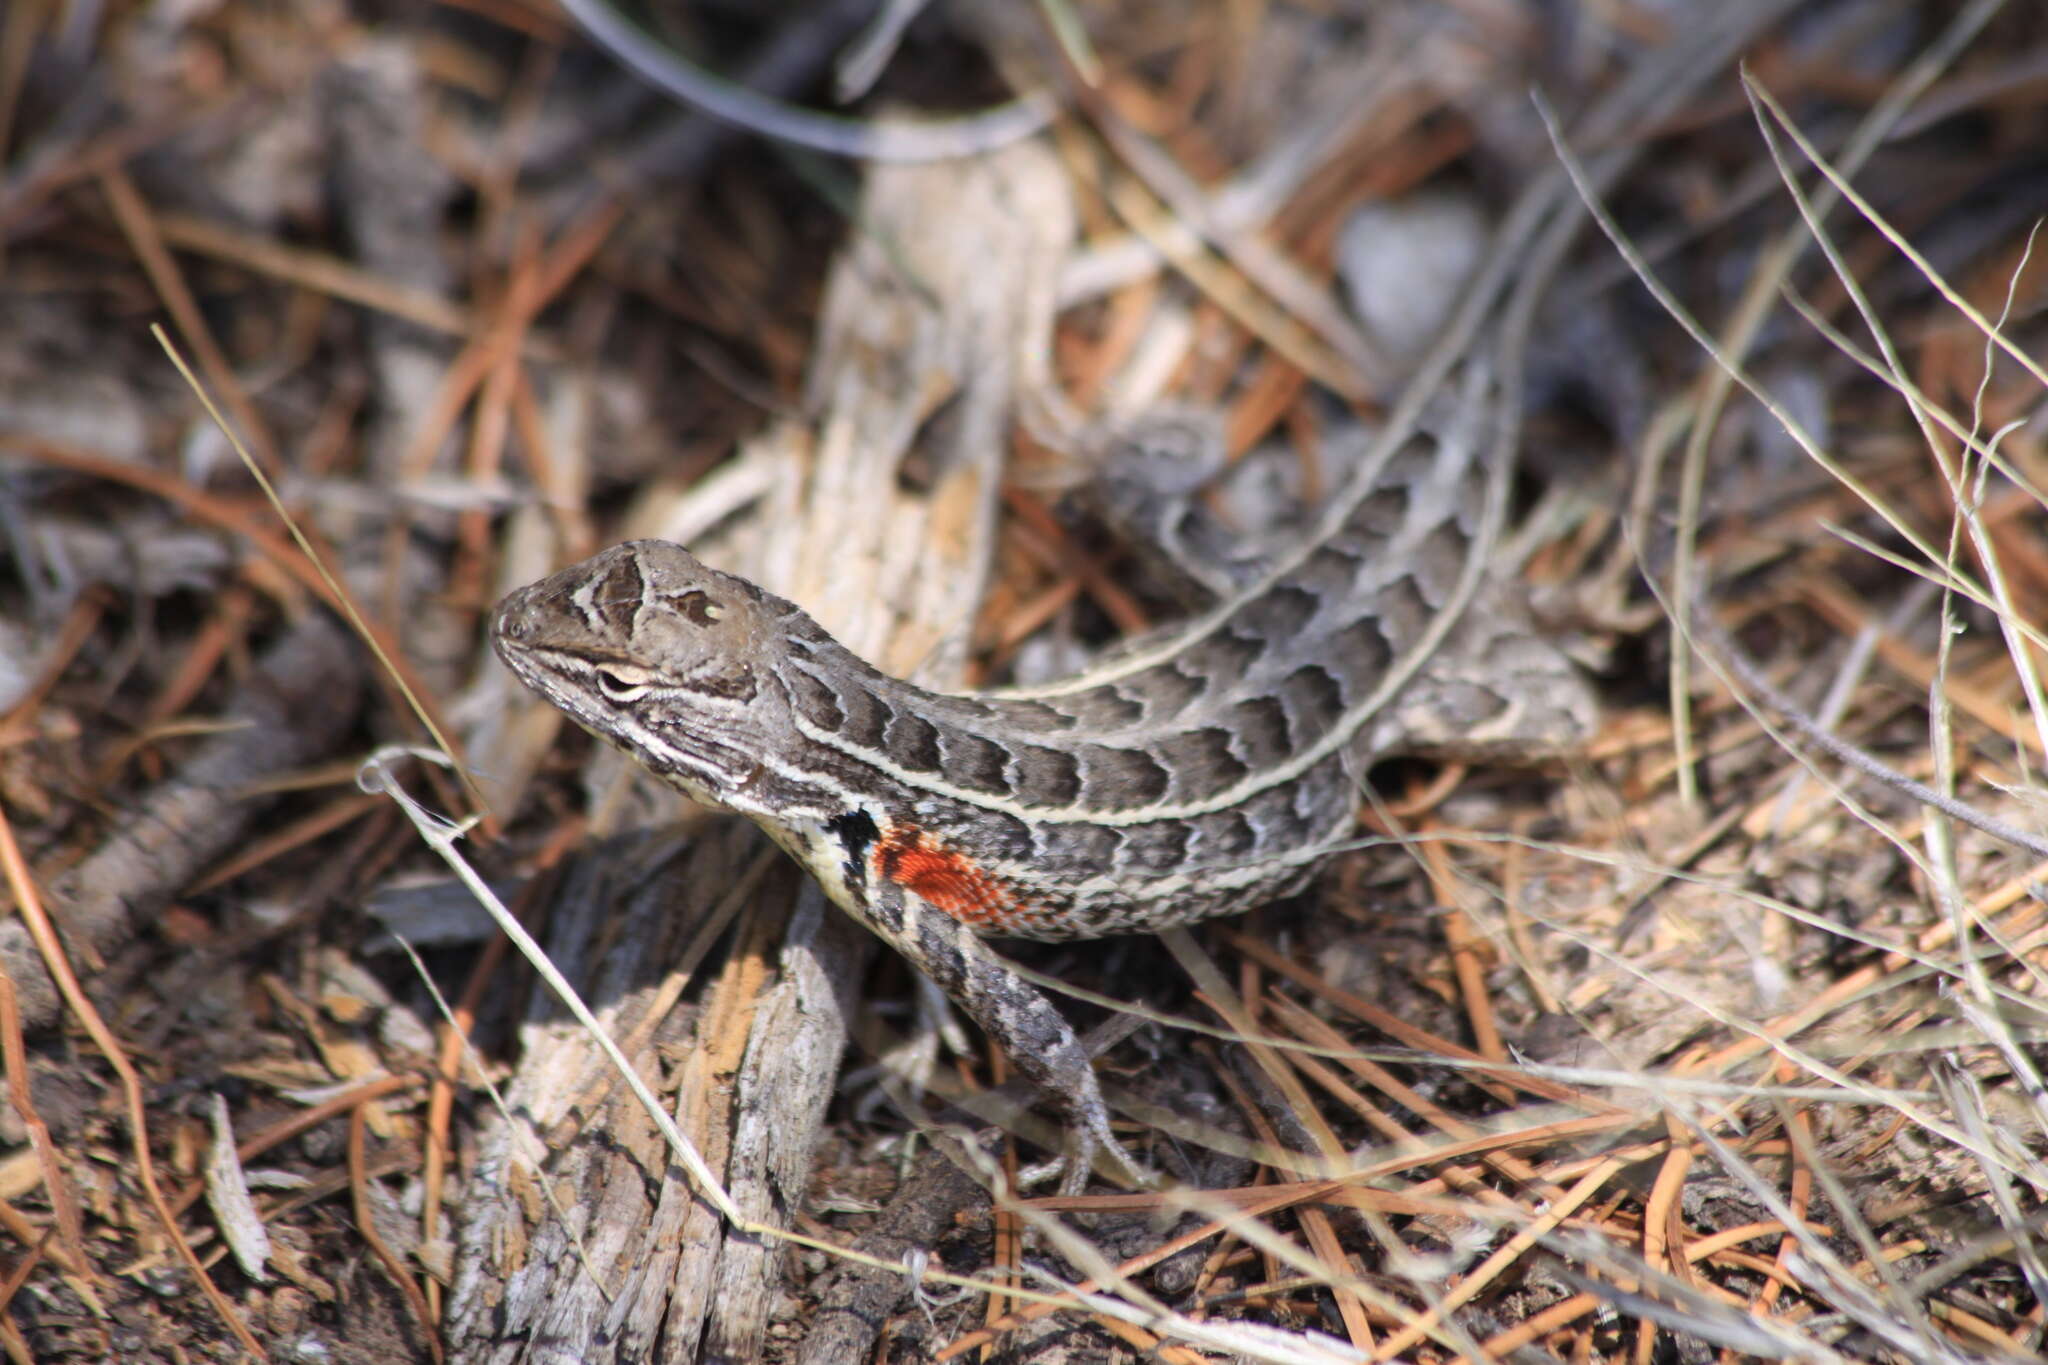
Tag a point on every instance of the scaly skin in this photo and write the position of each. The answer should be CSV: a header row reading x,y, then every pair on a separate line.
x,y
1198,776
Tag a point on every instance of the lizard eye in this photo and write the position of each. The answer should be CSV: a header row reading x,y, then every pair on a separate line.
x,y
620,684
699,607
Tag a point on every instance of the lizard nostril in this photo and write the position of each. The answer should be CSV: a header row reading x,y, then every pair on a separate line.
x,y
512,619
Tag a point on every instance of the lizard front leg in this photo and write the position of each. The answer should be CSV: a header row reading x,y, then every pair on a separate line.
x,y
1025,1024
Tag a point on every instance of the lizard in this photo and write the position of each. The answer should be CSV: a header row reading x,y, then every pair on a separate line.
x,y
1200,773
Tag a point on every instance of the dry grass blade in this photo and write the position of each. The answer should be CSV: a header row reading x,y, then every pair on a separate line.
x,y
14,868
441,837
1760,291
1720,1038
1891,1308
366,1226
68,1229
140,225
1966,498
333,589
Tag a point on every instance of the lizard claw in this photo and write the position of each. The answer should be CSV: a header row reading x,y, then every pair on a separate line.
x,y
1088,1132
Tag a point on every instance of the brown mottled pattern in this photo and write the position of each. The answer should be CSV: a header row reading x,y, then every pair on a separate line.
x,y
1178,779
1187,776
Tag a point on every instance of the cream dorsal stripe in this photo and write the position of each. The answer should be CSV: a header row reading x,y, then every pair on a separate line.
x,y
1199,775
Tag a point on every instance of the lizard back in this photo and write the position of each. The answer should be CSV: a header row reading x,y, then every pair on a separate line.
x,y
1175,780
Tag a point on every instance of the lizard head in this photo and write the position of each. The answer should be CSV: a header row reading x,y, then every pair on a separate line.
x,y
654,653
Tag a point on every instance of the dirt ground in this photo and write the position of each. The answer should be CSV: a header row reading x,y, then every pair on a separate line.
x,y
1702,1038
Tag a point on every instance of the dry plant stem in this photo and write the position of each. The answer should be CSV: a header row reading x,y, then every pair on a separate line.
x,y
38,1242
1301,305
1007,1242
1461,938
1751,314
69,1229
1836,605
366,1228
136,221
1700,625
441,1106
29,912
306,569
499,342
1966,503
1280,1100
1040,533
1503,1079
1301,299
331,589
1228,292
226,628
1869,213
320,272
72,160
79,624
1776,1039
1245,1206
1800,1199
1965,500
1899,1317
17,42
512,143
787,61
1311,1029
490,428
2014,893
890,140
1848,676
442,839
1213,991
1265,197
1731,658
295,708
12,1339
336,814
1239,1205
1660,1210
1424,1325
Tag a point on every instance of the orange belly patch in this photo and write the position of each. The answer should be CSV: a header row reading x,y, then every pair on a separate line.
x,y
950,881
